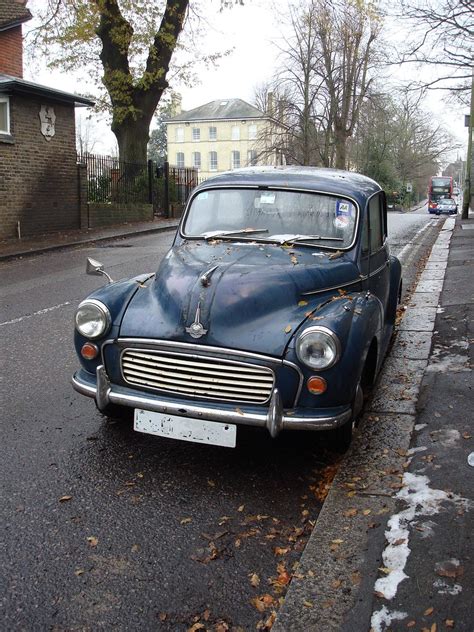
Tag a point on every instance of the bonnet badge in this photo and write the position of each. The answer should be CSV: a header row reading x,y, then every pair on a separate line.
x,y
196,330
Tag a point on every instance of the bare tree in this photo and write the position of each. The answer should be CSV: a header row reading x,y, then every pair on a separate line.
x,y
441,36
325,74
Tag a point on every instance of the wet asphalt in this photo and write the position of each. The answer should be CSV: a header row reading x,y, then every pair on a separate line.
x,y
107,528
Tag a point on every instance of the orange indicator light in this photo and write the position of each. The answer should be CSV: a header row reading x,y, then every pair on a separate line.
x,y
316,385
89,351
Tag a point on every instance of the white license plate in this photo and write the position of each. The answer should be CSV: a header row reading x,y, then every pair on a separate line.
x,y
185,429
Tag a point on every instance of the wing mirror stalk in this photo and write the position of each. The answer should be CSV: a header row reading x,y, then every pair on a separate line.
x,y
95,268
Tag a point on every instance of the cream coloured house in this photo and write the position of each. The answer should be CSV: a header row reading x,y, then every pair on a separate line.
x,y
221,135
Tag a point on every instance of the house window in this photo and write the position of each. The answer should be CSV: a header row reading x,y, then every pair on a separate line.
x,y
4,115
252,132
179,134
252,157
235,132
213,161
197,159
196,133
235,160
180,159
213,133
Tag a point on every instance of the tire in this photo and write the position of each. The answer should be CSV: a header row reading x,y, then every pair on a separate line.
x,y
341,437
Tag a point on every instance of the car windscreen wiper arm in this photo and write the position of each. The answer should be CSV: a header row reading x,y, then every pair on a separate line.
x,y
231,233
312,238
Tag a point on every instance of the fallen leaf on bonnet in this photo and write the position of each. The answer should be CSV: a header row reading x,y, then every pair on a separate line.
x,y
302,303
287,329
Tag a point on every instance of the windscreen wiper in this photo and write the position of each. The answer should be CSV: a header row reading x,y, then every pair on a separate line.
x,y
303,238
216,234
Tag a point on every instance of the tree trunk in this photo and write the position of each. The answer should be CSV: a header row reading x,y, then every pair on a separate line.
x,y
340,146
132,138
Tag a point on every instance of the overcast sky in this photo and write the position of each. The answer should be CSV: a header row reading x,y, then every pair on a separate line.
x,y
251,32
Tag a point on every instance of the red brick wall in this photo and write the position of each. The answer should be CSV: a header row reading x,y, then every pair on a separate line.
x,y
38,178
11,52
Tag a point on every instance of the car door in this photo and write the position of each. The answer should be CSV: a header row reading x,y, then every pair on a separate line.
x,y
379,256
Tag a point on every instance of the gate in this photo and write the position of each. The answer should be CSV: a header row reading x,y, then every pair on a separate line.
x,y
171,187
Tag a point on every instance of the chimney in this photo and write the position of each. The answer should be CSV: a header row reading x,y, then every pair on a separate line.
x,y
270,103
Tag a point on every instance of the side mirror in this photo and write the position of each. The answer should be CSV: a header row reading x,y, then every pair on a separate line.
x,y
95,268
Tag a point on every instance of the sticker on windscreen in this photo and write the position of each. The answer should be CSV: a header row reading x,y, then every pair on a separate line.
x,y
345,213
267,198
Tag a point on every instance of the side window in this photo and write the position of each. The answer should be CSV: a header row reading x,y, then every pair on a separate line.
x,y
376,224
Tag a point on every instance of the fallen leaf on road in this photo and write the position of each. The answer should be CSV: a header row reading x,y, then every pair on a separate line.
x,y
280,550
262,602
185,520
336,583
241,508
308,604
162,616
428,611
350,513
450,568
399,542
64,499
196,626
254,580
79,571
411,624
93,541
449,623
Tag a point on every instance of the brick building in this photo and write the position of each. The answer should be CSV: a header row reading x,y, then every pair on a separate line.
x,y
39,185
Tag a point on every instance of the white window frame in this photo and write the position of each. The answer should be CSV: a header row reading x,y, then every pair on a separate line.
x,y
178,155
253,130
179,135
196,134
197,159
7,101
213,135
235,159
252,157
235,132
216,165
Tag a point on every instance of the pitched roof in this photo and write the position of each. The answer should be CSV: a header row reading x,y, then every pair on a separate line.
x,y
221,109
13,13
14,85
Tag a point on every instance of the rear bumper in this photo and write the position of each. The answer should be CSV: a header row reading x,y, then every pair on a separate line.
x,y
274,418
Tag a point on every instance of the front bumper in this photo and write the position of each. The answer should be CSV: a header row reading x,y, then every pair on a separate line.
x,y
274,418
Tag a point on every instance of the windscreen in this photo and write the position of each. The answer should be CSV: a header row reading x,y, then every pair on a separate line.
x,y
272,215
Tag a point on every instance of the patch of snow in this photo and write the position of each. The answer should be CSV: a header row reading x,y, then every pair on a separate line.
x,y
444,588
421,500
447,436
457,363
413,451
384,618
440,310
419,427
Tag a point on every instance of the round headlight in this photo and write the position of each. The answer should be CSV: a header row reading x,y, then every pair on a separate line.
x,y
92,319
318,348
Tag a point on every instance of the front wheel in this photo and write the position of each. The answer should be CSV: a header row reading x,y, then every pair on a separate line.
x,y
341,437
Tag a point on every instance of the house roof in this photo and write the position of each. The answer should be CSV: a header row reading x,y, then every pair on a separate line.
x,y
14,85
13,13
233,109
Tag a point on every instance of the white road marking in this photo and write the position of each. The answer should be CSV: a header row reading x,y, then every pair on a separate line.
x,y
409,245
38,313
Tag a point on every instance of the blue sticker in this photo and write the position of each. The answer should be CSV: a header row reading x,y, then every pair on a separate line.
x,y
344,209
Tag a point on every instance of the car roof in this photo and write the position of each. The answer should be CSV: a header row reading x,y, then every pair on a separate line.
x,y
335,181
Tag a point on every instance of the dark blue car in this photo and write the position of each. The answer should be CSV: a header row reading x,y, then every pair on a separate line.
x,y
273,308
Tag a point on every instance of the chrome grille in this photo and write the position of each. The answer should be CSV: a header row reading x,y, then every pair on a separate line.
x,y
198,376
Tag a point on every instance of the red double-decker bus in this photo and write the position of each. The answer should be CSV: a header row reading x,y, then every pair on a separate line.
x,y
440,187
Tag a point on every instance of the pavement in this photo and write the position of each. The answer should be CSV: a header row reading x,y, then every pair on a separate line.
x,y
392,548
13,248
